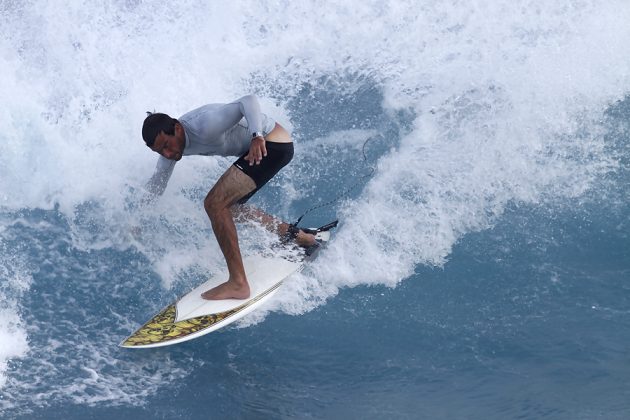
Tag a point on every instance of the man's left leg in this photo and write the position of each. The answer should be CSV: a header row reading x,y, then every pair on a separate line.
x,y
271,223
280,151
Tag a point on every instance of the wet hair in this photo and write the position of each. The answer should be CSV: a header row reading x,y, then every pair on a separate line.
x,y
154,124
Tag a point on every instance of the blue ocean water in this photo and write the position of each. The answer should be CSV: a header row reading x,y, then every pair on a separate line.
x,y
482,270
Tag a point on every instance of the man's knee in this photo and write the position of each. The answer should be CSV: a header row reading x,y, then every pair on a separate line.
x,y
213,205
231,187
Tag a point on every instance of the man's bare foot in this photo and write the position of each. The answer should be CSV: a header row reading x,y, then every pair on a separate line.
x,y
304,239
227,290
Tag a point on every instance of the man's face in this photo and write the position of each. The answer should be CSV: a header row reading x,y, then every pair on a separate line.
x,y
170,146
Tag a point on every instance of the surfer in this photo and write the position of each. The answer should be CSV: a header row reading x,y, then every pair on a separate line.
x,y
240,129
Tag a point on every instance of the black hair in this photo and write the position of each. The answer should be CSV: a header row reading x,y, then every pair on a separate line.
x,y
156,123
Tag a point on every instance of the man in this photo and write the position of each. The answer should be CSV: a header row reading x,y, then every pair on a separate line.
x,y
234,129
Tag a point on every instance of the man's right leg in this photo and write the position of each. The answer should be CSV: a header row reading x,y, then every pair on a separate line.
x,y
233,185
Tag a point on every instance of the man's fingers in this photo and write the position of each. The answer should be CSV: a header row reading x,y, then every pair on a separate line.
x,y
260,153
256,153
253,158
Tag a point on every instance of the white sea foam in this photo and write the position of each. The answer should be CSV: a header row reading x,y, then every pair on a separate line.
x,y
506,98
13,284
13,340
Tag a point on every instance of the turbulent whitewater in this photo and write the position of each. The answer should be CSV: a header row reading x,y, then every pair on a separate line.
x,y
486,254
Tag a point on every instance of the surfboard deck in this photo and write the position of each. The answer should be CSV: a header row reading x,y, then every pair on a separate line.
x,y
191,316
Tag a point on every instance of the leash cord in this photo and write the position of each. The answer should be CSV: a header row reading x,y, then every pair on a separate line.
x,y
344,193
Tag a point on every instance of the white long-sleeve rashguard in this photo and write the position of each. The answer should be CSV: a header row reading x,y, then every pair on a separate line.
x,y
215,130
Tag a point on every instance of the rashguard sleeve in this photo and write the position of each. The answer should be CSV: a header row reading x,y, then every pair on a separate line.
x,y
163,171
250,108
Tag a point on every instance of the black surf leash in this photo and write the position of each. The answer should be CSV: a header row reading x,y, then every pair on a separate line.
x,y
294,227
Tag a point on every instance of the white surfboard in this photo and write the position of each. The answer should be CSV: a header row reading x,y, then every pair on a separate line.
x,y
191,316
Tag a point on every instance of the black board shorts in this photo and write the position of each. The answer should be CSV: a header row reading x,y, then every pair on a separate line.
x,y
278,156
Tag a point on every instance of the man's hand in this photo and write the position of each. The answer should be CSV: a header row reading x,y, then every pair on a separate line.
x,y
257,151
